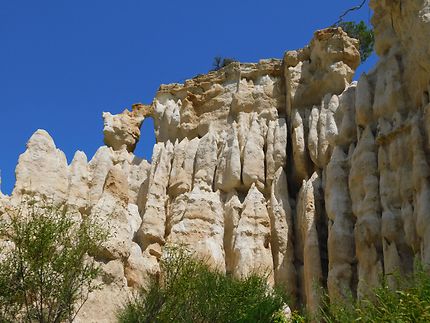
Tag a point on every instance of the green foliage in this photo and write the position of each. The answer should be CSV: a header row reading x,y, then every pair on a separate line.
x,y
190,291
363,34
409,303
220,62
295,317
45,273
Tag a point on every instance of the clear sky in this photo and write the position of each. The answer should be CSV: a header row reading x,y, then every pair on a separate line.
x,y
64,62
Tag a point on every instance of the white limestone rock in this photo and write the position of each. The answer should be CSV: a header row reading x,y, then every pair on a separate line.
x,y
253,157
276,148
340,244
78,191
201,227
299,147
42,169
232,210
363,102
180,180
308,212
122,131
153,209
138,172
252,251
99,167
364,190
325,66
205,162
112,213
140,267
103,304
228,172
282,236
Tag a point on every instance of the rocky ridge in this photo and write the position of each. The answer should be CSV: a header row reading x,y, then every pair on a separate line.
x,y
284,166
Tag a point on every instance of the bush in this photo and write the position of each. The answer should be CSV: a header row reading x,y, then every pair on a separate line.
x,y
409,303
190,291
45,273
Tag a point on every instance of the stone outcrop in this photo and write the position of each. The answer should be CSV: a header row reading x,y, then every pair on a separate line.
x,y
42,169
286,167
123,130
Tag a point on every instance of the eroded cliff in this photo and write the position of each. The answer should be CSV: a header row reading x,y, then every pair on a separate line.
x,y
283,166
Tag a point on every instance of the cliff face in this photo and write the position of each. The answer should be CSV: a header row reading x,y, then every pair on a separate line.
x,y
282,166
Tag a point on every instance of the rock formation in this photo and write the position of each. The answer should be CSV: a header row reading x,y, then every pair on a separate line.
x,y
281,166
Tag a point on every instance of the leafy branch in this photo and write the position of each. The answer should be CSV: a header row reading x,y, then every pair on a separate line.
x,y
359,31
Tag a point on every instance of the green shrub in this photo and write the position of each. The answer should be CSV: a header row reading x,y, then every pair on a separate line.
x,y
190,291
45,273
410,302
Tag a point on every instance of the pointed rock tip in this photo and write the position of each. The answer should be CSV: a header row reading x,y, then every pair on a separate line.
x,y
79,156
41,137
253,191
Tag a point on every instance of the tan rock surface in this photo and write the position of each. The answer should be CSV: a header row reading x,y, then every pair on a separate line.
x,y
123,130
307,243
364,192
201,227
252,250
282,235
341,247
42,169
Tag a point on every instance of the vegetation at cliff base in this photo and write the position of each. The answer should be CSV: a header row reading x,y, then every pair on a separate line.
x,y
45,272
190,291
408,303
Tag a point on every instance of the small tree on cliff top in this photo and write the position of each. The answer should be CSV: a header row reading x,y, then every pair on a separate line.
x,y
359,31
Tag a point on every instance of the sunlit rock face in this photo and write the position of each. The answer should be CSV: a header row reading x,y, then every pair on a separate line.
x,y
123,130
286,167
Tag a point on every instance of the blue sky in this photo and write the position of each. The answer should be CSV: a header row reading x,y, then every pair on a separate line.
x,y
64,62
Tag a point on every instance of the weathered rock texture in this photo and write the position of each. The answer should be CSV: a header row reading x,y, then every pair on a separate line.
x,y
283,167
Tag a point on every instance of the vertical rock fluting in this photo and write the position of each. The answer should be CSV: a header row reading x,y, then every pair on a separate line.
x,y
232,209
276,148
253,157
364,190
307,244
152,229
341,247
282,167
228,172
252,249
282,237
